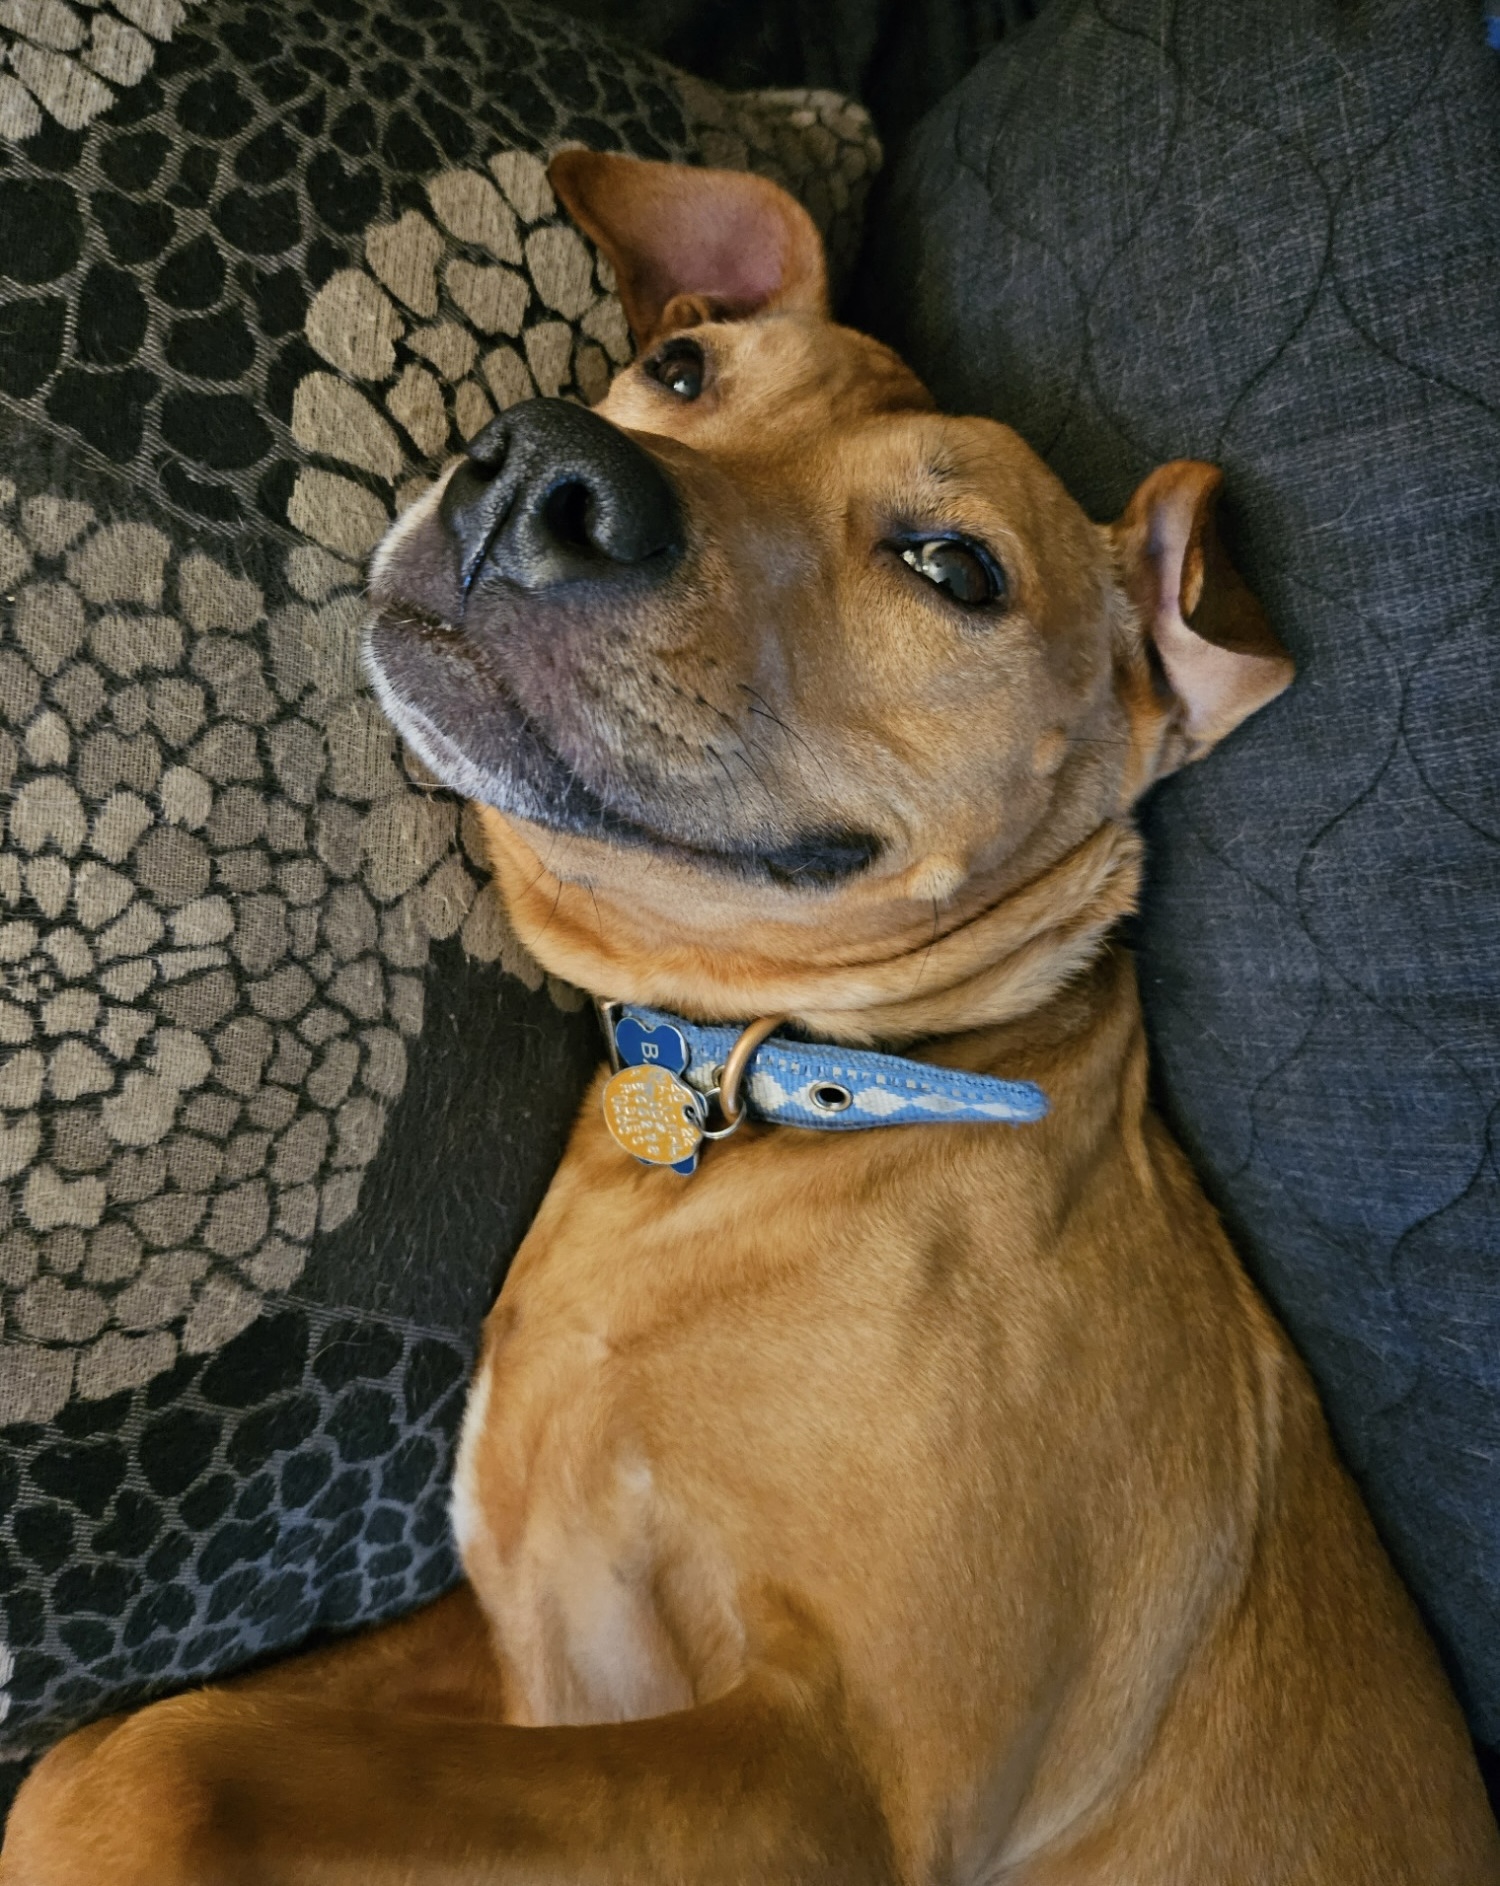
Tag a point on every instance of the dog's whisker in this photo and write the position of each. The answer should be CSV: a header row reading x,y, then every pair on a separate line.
x,y
926,956
762,707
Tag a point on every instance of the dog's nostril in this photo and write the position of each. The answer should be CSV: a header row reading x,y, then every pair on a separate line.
x,y
568,514
474,504
487,450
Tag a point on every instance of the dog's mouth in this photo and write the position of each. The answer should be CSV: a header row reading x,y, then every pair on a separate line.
x,y
527,618
449,698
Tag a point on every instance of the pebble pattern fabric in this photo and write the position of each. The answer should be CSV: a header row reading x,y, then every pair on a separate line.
x,y
1270,237
295,1479
213,964
279,1091
67,62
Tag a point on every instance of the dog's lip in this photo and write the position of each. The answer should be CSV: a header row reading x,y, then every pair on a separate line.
x,y
529,779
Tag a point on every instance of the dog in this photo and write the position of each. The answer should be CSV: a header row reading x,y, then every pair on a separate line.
x,y
930,1503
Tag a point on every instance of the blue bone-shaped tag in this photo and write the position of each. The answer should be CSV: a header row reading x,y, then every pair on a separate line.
x,y
640,1046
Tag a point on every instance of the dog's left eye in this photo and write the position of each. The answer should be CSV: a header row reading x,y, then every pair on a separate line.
x,y
679,368
968,574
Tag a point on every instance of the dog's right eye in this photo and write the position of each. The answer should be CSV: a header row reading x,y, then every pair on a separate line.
x,y
679,368
965,572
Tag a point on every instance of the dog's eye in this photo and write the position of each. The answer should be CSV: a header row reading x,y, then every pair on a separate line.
x,y
679,368
965,572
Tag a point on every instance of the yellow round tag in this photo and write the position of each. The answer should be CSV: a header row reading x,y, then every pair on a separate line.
x,y
652,1114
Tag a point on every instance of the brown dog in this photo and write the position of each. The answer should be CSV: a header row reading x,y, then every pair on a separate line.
x,y
930,1504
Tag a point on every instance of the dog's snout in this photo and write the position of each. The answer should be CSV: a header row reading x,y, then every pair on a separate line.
x,y
549,494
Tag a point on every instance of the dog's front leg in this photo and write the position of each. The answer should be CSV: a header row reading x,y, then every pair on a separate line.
x,y
245,1786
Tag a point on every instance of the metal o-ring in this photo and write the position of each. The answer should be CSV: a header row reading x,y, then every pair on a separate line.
x,y
737,1060
829,1097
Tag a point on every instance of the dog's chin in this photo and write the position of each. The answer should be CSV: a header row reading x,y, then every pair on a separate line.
x,y
467,726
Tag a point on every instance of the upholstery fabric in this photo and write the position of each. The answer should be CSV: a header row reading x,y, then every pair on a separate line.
x,y
897,56
1269,236
280,1090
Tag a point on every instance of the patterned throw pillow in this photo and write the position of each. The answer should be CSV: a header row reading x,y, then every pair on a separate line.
x,y
279,1090
1270,236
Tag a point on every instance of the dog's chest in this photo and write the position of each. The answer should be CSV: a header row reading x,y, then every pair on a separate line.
x,y
600,1610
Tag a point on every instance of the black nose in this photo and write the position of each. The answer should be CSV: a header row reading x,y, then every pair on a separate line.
x,y
548,493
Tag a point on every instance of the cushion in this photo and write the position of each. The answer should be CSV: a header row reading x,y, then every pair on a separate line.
x,y
897,56
280,1090
1269,236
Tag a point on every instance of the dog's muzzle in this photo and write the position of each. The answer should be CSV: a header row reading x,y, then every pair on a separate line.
x,y
550,494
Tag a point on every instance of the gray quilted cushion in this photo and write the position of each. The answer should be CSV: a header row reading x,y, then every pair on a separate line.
x,y
1270,236
279,1090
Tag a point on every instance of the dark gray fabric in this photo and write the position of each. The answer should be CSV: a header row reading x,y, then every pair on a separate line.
x,y
1268,236
897,56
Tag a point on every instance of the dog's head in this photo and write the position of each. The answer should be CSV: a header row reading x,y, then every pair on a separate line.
x,y
782,690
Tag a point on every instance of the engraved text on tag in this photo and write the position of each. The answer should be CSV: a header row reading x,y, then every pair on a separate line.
x,y
653,1115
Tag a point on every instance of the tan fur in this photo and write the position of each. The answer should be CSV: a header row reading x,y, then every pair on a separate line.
x,y
916,1505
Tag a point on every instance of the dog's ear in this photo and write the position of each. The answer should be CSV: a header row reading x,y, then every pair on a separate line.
x,y
691,245
1211,650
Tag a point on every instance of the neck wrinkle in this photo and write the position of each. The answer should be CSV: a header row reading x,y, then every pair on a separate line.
x,y
1006,963
1003,963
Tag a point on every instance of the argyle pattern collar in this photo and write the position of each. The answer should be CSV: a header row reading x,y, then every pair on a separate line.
x,y
828,1088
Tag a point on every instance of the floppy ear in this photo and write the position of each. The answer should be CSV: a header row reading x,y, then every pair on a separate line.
x,y
1216,653
692,245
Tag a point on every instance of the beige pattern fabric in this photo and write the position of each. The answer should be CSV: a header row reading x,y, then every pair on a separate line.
x,y
220,876
68,62
238,880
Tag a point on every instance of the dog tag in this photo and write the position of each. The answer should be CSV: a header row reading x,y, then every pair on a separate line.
x,y
641,1045
654,1116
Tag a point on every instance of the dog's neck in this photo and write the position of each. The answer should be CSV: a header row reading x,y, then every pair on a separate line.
x,y
997,962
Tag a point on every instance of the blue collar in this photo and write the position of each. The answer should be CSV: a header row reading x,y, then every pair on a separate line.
x,y
786,1083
